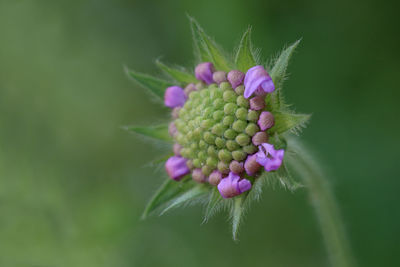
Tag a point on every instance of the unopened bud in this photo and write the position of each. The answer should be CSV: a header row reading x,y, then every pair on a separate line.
x,y
219,76
198,176
215,177
235,77
236,167
260,138
257,103
266,120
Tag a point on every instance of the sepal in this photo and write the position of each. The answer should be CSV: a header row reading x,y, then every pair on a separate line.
x,y
245,58
206,49
178,74
154,85
158,132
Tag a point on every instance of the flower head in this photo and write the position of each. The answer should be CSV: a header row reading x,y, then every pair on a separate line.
x,y
232,186
257,79
222,123
270,158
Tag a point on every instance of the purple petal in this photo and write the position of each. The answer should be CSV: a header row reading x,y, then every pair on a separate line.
x,y
204,72
270,158
257,78
176,167
232,186
174,97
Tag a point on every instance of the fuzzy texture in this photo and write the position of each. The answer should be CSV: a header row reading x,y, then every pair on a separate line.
x,y
232,186
257,79
204,72
174,97
176,167
270,158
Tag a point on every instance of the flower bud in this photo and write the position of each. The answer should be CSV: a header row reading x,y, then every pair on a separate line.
x,y
235,77
251,165
219,76
232,186
177,149
174,97
204,72
257,103
172,129
259,138
215,177
198,176
190,88
257,79
176,167
223,167
175,112
236,167
266,120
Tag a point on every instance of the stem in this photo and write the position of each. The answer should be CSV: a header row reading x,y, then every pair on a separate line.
x,y
325,205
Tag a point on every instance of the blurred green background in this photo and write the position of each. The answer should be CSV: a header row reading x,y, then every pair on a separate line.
x,y
73,183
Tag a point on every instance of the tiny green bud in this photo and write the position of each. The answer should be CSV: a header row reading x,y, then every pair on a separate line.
x,y
225,86
242,102
253,115
228,120
239,90
251,129
230,108
202,155
232,145
208,112
202,144
218,103
212,162
241,113
200,85
229,96
219,142
223,167
250,149
206,170
225,155
212,151
204,93
239,126
239,155
197,163
209,138
218,129
230,134
207,124
242,139
218,115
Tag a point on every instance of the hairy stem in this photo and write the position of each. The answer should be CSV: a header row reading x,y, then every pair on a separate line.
x,y
324,204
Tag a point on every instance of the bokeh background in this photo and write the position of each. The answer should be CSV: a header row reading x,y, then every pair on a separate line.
x,y
73,183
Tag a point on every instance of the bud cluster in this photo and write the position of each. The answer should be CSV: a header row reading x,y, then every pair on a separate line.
x,y
219,127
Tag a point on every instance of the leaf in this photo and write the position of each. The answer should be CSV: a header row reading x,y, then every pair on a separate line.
x,y
280,177
185,197
278,72
289,122
278,75
207,48
169,190
158,132
244,58
237,212
155,85
214,204
178,75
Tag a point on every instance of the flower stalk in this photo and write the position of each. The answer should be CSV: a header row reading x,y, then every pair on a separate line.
x,y
325,205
